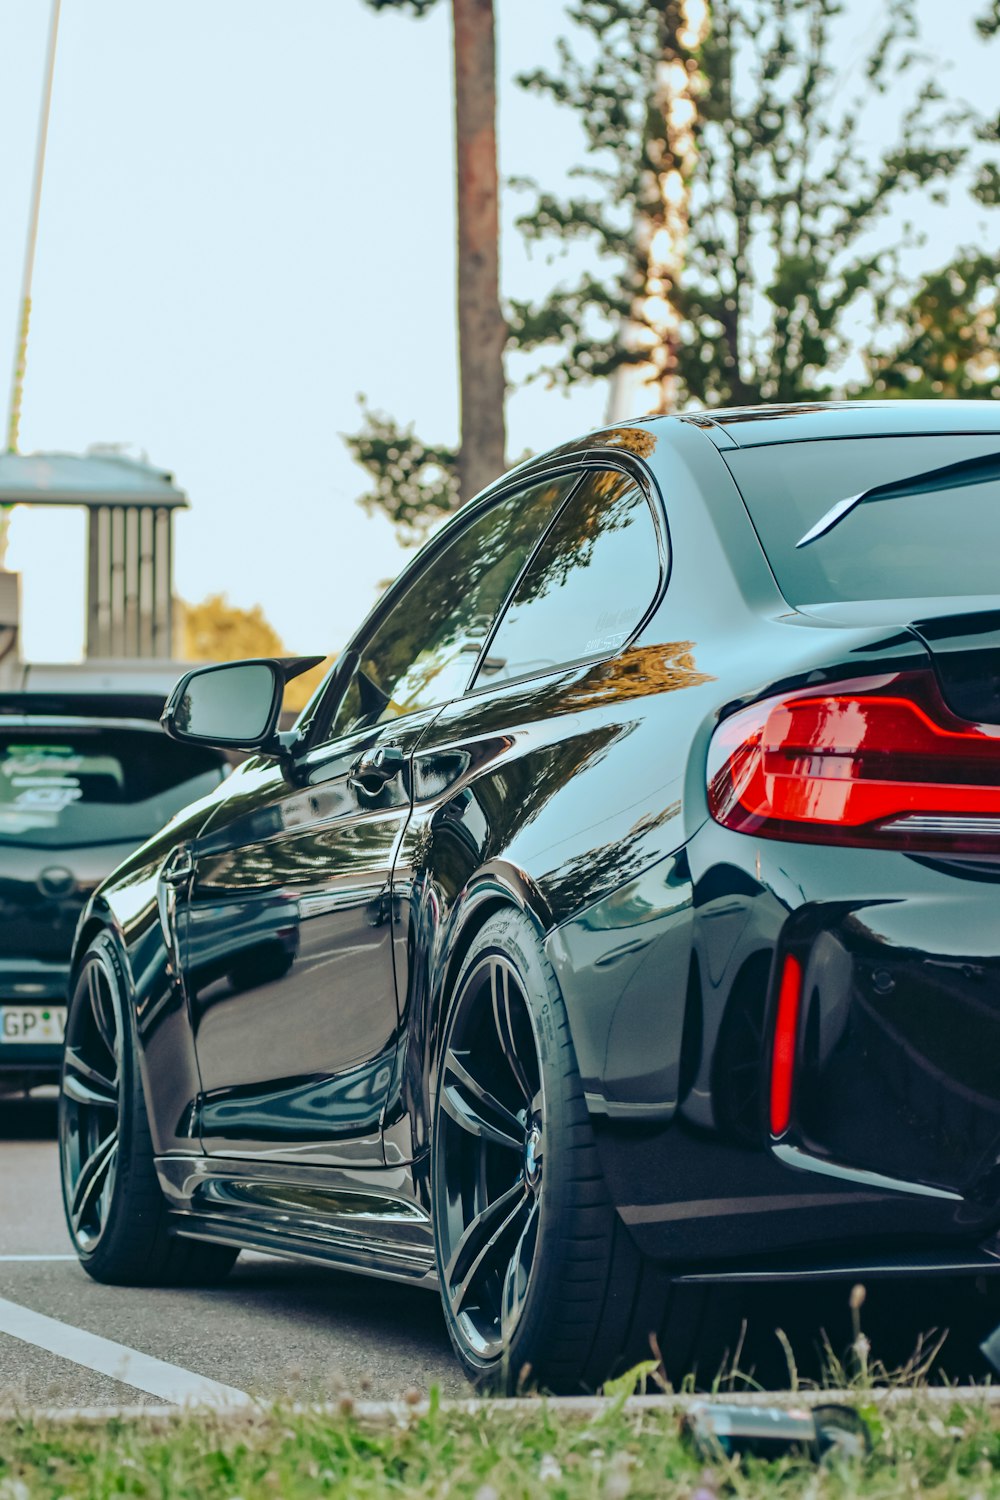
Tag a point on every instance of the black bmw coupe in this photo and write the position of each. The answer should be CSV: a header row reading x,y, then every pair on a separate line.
x,y
621,916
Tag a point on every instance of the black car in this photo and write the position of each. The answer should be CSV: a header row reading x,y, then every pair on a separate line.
x,y
617,924
84,778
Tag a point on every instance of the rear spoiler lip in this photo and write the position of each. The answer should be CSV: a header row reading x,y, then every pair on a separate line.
x,y
964,649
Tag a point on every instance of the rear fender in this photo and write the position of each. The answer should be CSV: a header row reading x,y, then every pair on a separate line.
x,y
438,943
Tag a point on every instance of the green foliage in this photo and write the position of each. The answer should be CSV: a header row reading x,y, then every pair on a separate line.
x,y
948,342
632,1381
412,482
948,1449
988,24
412,7
793,231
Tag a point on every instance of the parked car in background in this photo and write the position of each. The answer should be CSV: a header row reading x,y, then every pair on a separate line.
x,y
84,778
623,909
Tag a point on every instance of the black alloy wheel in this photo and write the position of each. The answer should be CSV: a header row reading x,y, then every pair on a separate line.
x,y
541,1282
90,1103
490,1185
115,1210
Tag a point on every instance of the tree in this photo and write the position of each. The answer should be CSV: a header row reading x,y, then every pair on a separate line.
x,y
216,630
988,24
947,342
413,484
782,201
946,329
482,332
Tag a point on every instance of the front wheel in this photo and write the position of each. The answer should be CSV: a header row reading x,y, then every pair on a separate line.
x,y
540,1281
115,1211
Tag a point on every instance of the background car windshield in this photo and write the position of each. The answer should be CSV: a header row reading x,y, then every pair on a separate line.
x,y
65,787
932,545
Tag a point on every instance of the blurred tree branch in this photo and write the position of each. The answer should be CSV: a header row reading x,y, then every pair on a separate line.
x,y
414,483
438,479
988,24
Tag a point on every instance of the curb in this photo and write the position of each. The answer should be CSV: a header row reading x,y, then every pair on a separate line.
x,y
585,1407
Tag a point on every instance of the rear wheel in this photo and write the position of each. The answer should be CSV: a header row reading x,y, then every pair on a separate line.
x,y
540,1280
115,1211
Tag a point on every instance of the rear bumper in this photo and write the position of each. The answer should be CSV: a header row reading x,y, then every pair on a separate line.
x,y
893,1148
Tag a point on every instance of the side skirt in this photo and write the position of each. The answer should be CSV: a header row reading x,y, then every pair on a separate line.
x,y
365,1221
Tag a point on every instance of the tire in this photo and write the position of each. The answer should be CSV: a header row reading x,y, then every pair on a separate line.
x,y
115,1211
541,1282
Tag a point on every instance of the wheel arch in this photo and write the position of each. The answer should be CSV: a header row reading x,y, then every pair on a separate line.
x,y
92,927
496,887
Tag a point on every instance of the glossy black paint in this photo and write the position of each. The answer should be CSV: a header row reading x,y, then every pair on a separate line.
x,y
291,990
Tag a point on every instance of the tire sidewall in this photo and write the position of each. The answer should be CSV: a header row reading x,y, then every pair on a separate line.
x,y
105,951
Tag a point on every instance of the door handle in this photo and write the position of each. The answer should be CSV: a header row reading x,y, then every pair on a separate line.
x,y
376,767
179,869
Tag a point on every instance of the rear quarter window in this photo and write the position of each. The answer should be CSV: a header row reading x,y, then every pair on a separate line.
x,y
586,589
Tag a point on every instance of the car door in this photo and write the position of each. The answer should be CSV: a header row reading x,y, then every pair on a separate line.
x,y
286,921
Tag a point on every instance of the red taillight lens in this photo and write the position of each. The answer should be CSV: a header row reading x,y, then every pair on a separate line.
x,y
876,763
786,1030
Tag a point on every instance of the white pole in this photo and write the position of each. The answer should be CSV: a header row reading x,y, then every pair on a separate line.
x,y
24,307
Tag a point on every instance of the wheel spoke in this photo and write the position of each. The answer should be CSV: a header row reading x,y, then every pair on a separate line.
x,y
471,1105
87,1085
98,993
515,1283
500,995
92,1175
479,1240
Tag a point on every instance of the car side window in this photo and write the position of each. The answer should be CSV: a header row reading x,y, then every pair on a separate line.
x,y
425,649
588,586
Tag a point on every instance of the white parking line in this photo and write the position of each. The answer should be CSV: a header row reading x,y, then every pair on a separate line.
x,y
154,1376
7,1259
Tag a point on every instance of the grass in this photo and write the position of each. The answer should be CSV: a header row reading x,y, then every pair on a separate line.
x,y
920,1448
938,1443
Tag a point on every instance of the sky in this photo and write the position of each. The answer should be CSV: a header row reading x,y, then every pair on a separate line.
x,y
247,220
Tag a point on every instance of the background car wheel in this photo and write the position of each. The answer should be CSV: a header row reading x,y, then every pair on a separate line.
x,y
115,1211
540,1280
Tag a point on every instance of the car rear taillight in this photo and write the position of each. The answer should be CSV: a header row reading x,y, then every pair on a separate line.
x,y
876,763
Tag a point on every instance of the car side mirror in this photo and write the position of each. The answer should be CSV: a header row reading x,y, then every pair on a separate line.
x,y
234,705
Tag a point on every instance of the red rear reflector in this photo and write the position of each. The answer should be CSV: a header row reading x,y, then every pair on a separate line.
x,y
786,1030
882,762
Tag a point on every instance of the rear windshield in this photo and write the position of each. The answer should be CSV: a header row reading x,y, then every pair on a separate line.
x,y
64,787
942,541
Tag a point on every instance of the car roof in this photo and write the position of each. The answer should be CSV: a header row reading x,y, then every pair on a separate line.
x,y
69,722
143,710
755,426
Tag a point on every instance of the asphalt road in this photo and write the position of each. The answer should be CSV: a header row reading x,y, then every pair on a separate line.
x,y
278,1329
273,1329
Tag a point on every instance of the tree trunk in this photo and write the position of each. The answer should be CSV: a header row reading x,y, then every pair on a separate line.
x,y
482,332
